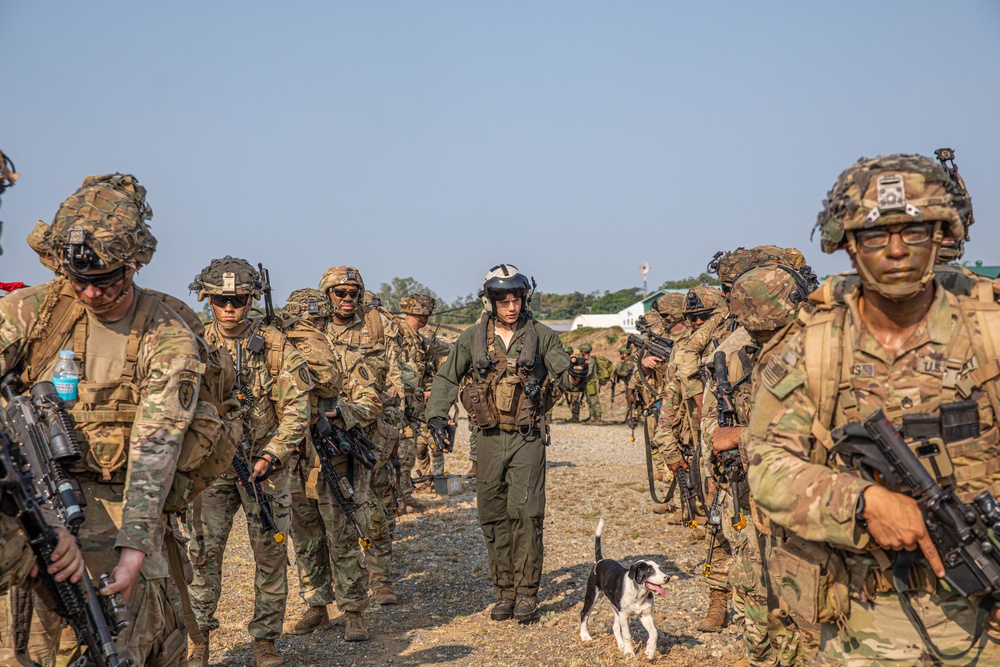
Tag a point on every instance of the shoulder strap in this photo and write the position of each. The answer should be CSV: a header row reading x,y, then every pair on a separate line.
x,y
274,351
45,343
373,322
824,361
143,314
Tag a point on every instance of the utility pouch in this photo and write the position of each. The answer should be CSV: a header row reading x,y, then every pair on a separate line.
x,y
923,434
959,420
812,580
527,413
478,402
506,388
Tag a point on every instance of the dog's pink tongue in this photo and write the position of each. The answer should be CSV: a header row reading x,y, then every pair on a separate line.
x,y
656,589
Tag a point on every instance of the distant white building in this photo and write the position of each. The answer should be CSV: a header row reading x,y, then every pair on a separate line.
x,y
623,318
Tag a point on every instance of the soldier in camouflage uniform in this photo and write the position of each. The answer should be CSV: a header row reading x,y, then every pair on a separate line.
x,y
593,390
763,301
898,343
574,400
275,381
321,530
625,366
420,354
131,429
374,334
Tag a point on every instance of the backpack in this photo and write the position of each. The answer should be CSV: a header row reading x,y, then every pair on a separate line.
x,y
210,441
605,369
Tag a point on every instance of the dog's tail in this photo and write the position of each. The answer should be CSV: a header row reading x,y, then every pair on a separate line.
x,y
597,541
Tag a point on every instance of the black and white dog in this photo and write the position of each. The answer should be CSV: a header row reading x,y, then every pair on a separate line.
x,y
630,592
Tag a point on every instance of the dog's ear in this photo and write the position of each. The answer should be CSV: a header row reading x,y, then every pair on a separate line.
x,y
640,571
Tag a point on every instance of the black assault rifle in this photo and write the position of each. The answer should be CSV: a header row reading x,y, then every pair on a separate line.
x,y
731,461
657,346
965,535
688,495
327,446
33,480
714,522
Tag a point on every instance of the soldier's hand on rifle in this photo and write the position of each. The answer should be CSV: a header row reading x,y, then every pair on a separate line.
x,y
262,467
67,560
680,464
651,362
442,435
630,396
896,522
126,573
725,438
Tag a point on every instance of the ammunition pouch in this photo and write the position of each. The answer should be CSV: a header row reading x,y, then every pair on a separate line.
x,y
477,399
812,580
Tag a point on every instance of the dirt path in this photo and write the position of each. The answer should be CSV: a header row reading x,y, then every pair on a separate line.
x,y
443,618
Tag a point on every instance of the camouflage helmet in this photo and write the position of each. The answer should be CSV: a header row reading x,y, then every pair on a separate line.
x,y
768,297
417,304
729,265
670,306
648,320
307,302
371,300
587,347
568,349
890,189
100,229
228,276
702,297
340,275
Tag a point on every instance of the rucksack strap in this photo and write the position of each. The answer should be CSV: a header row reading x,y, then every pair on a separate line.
x,y
176,564
140,325
53,327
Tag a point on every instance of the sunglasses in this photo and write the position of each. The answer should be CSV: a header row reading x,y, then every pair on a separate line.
x,y
101,281
223,300
700,315
342,293
875,239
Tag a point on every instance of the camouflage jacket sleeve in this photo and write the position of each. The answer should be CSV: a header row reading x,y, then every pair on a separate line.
x,y
360,403
397,385
550,349
666,431
18,313
809,499
169,373
290,395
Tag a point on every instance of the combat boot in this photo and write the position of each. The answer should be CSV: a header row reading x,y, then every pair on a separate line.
x,y
718,611
662,508
355,631
265,655
524,608
502,610
384,595
316,618
198,652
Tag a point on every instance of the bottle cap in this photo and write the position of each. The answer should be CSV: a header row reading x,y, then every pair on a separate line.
x,y
66,354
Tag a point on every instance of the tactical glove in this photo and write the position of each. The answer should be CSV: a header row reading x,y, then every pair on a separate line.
x,y
583,372
444,435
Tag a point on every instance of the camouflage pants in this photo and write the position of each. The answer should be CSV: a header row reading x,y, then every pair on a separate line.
x,y
429,459
510,499
594,405
722,557
746,576
575,400
879,633
350,577
212,521
382,527
473,444
312,553
794,641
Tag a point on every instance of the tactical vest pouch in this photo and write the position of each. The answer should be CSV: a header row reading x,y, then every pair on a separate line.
x,y
386,436
812,580
477,399
506,388
959,420
103,417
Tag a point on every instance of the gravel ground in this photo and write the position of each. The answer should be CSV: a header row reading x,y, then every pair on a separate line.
x,y
445,594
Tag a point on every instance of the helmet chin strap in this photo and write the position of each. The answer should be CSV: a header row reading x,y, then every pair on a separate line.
x,y
904,291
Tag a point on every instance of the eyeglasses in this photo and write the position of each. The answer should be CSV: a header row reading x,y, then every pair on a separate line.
x,y
700,315
223,300
874,239
342,293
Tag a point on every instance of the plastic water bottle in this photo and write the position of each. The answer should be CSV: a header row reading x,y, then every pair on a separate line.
x,y
66,376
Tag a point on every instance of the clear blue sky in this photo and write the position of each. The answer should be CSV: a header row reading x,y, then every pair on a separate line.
x,y
436,139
